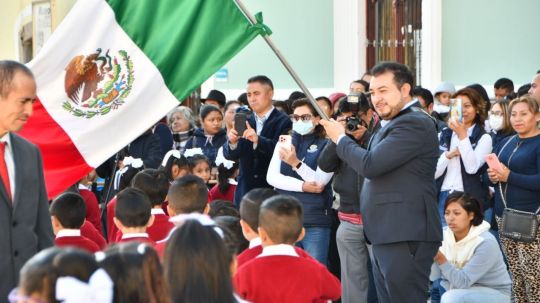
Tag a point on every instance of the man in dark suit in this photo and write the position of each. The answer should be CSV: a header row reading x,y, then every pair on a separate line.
x,y
399,204
254,148
25,222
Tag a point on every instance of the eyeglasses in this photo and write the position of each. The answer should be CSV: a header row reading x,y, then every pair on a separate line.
x,y
495,113
295,118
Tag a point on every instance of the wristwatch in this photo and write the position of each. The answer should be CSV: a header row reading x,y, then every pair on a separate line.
x,y
298,165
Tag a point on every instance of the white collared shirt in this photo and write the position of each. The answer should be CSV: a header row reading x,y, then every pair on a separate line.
x,y
473,160
157,211
278,250
135,235
260,120
10,163
82,186
255,242
68,233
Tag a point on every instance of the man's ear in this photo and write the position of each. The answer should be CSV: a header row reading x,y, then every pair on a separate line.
x,y
406,90
206,209
302,235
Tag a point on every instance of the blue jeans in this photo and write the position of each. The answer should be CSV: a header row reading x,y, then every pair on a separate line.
x,y
436,291
475,294
442,198
316,242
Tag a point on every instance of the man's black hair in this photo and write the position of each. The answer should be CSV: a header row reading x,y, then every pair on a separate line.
x,y
402,74
261,79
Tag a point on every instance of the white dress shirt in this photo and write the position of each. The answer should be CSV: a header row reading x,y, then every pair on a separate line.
x,y
473,160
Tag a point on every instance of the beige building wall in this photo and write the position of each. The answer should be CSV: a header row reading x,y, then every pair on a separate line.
x,y
16,25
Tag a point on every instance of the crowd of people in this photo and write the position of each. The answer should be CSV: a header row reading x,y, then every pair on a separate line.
x,y
403,195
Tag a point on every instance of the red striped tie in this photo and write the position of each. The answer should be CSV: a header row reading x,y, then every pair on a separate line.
x,y
3,169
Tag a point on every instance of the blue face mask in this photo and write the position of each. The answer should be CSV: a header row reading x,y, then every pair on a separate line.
x,y
302,127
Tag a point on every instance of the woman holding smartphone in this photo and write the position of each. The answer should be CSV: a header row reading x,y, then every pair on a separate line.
x,y
293,171
464,145
519,180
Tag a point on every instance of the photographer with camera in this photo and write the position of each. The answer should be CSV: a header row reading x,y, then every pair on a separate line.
x,y
357,116
359,119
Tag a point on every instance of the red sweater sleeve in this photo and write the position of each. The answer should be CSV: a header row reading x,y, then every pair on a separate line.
x,y
92,208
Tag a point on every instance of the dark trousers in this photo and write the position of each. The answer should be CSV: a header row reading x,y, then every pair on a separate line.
x,y
401,271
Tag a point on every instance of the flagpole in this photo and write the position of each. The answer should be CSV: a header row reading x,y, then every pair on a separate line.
x,y
284,62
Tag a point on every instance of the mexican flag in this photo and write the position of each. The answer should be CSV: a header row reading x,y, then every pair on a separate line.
x,y
114,68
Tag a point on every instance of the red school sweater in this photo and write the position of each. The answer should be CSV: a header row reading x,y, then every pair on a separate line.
x,y
93,214
79,242
160,228
89,231
281,278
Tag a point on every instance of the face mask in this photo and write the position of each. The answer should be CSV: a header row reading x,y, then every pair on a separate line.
x,y
302,127
496,122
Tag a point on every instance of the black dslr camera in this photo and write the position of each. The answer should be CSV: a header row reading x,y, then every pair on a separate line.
x,y
353,121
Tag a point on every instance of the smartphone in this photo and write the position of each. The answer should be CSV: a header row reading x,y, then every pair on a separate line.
x,y
493,162
456,107
240,123
285,141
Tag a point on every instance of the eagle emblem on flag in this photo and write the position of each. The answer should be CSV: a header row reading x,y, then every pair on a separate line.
x,y
97,83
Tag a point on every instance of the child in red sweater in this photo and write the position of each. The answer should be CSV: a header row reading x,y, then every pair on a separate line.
x,y
155,185
122,180
226,186
250,206
132,215
68,212
187,195
292,278
93,213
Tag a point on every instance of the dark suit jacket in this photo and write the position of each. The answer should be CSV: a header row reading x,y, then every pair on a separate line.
x,y
25,224
254,163
399,200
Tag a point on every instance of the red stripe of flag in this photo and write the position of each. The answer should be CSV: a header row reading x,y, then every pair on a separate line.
x,y
63,163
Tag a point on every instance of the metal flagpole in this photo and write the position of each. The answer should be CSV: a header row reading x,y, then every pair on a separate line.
x,y
283,61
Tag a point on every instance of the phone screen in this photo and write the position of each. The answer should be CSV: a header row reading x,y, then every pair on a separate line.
x,y
456,107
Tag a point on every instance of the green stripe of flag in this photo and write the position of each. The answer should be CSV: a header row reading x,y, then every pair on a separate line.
x,y
188,40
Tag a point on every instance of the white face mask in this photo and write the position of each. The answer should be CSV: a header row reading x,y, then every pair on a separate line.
x,y
302,127
496,122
